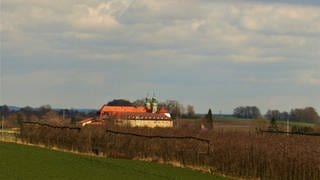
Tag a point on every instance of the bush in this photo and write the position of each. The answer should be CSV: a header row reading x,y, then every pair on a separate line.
x,y
302,129
240,154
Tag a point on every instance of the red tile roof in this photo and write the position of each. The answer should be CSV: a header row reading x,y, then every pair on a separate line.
x,y
133,113
106,108
163,110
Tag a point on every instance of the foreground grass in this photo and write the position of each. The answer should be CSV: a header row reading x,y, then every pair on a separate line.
x,y
25,162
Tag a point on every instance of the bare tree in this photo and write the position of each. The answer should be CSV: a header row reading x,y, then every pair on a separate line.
x,y
190,111
52,117
174,107
249,112
273,114
307,114
139,102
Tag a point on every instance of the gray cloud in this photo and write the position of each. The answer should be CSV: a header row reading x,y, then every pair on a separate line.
x,y
205,53
298,2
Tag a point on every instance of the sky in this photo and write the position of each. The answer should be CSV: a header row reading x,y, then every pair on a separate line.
x,y
216,54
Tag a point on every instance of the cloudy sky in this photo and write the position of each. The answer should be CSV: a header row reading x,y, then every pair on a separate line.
x,y
215,54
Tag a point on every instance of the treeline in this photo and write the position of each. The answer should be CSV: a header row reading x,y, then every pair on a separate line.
x,y
45,114
13,118
308,114
248,112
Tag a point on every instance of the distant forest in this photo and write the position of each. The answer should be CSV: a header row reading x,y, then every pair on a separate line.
x,y
308,114
14,116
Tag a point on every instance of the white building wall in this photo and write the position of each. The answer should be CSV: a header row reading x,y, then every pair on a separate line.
x,y
145,123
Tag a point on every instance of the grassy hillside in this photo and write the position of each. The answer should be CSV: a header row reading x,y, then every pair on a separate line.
x,y
25,162
240,124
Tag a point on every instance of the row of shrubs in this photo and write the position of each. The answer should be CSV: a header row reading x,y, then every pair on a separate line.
x,y
240,154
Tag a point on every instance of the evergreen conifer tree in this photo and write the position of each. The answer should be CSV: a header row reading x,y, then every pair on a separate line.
x,y
209,119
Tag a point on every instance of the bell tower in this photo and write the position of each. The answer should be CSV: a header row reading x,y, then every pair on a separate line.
x,y
154,104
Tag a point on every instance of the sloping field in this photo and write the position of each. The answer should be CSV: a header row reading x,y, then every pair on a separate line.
x,y
26,162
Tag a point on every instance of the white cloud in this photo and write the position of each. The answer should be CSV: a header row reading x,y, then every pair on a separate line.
x,y
102,16
183,35
278,18
310,77
236,27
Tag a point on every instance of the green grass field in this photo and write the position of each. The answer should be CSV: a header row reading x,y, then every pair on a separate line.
x,y
26,162
244,125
